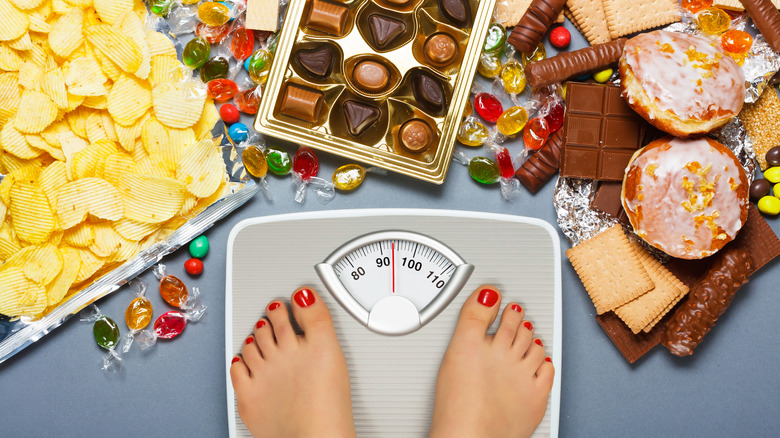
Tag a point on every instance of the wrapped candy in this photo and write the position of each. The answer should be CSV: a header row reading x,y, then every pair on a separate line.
x,y
106,334
138,314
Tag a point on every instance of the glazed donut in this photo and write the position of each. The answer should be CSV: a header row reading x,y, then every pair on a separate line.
x,y
687,198
682,84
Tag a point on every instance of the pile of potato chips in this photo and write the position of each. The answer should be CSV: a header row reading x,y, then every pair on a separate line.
x,y
104,143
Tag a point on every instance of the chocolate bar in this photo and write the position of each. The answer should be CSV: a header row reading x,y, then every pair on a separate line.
x,y
539,16
542,165
601,133
766,18
566,65
707,300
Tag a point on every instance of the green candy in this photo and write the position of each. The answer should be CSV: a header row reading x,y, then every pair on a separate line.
x,y
196,52
769,205
772,174
483,170
214,68
106,332
495,39
160,8
199,247
279,162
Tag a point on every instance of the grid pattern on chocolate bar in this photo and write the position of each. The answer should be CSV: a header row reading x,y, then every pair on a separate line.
x,y
601,133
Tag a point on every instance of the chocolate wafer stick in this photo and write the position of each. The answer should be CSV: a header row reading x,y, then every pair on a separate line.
x,y
767,19
569,64
539,16
542,165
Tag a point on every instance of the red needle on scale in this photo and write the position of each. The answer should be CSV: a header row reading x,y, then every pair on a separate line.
x,y
392,248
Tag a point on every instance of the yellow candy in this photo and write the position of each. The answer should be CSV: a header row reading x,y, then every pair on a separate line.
x,y
489,65
513,76
603,75
512,121
472,133
713,20
348,177
769,205
772,174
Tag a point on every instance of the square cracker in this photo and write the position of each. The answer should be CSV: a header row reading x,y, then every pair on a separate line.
x,y
509,12
588,17
640,312
736,5
610,269
625,17
762,123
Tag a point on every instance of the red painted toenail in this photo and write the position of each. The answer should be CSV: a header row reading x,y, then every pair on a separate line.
x,y
260,324
304,297
274,306
235,359
538,342
528,325
248,340
487,297
548,359
517,308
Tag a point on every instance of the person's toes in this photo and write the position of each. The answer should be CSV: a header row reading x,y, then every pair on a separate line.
x,y
525,332
280,321
478,313
239,373
312,315
264,337
510,320
545,374
251,354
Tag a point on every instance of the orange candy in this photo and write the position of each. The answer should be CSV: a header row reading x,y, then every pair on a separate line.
x,y
694,6
736,41
173,290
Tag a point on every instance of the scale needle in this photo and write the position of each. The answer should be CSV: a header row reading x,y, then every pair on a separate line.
x,y
392,248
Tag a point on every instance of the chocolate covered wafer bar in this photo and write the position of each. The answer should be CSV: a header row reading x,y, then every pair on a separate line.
x,y
767,19
566,65
534,24
707,301
542,165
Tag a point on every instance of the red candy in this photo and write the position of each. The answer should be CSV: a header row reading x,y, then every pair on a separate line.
x,y
248,101
193,266
555,117
504,161
212,34
221,90
488,107
242,43
229,113
536,133
560,37
305,163
170,324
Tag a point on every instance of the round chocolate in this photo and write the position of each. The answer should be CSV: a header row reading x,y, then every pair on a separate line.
x,y
371,76
416,135
773,156
440,49
759,188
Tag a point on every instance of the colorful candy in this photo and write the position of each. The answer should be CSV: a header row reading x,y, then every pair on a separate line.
x,y
214,35
560,37
694,6
512,121
258,65
305,163
193,267
214,68
535,133
488,107
238,132
713,21
196,52
137,315
248,100
736,41
199,247
222,90
495,38
513,77
254,161
229,113
483,170
348,177
242,43
106,334
161,8
213,13
472,133
489,65
279,162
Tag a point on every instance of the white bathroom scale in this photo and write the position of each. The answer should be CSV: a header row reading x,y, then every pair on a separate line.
x,y
394,281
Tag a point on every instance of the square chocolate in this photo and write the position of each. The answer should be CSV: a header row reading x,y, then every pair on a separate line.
x,y
601,132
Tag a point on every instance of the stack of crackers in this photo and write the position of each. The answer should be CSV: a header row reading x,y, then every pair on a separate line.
x,y
620,276
601,21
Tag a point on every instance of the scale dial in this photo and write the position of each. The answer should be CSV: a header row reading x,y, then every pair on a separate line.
x,y
394,282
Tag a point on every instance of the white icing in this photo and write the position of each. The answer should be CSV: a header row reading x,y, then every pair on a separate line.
x,y
669,71
663,220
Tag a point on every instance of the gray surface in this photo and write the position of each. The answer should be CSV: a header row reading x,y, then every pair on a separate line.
x,y
730,387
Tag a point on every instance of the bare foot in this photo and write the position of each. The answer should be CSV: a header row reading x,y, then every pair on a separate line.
x,y
290,385
491,386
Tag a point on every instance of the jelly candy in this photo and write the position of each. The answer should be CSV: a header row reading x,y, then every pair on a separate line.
x,y
504,162
196,52
279,162
161,8
538,54
238,132
199,247
536,133
603,75
488,107
193,267
713,20
495,38
472,133
212,34
489,65
254,161
349,177
138,313
258,65
513,77
694,6
214,68
512,121
483,170
221,90
170,324
213,13
242,43
305,163
248,101
106,334
736,41
229,113
555,117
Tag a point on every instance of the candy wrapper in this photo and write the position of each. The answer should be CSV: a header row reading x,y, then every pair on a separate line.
x,y
106,333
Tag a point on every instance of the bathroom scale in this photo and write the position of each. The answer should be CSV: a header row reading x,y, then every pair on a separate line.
x,y
394,281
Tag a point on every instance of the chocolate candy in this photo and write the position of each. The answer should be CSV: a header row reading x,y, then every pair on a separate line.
x,y
416,135
317,62
458,12
327,17
759,188
428,92
542,164
601,133
707,300
302,102
359,116
539,16
767,20
566,65
371,76
773,156
440,49
385,30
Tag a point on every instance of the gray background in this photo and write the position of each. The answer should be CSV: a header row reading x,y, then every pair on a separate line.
x,y
730,387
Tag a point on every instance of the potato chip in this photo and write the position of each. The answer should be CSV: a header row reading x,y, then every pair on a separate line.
x,y
85,161
36,112
33,220
23,43
57,290
84,77
90,263
129,24
52,179
9,58
118,47
116,165
129,99
159,44
53,84
82,235
87,195
66,35
30,74
207,120
201,168
110,10
178,104
21,296
132,230
150,199
13,142
14,22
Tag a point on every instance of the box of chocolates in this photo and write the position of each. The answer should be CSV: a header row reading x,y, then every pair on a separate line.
x,y
383,82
